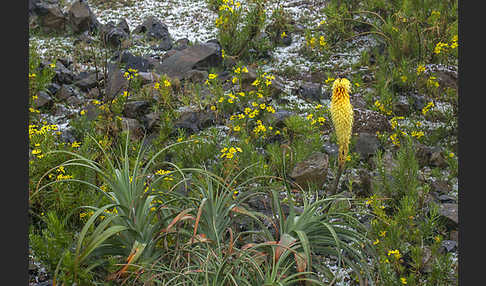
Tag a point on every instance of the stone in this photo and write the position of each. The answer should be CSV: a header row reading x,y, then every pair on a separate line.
x,y
310,91
141,64
356,100
50,16
201,56
134,128
401,107
152,28
136,109
181,44
332,149
370,121
440,187
312,170
194,121
367,144
448,246
418,101
150,120
74,100
113,35
148,77
81,18
277,119
438,160
450,213
67,136
116,83
196,76
86,80
53,88
43,99
63,74
286,40
124,26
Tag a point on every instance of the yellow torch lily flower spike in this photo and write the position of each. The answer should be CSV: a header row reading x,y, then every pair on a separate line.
x,y
342,119
342,116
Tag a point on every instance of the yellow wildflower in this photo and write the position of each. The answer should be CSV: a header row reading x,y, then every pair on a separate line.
x,y
342,116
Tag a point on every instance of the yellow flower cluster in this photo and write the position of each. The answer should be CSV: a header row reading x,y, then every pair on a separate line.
x,y
130,73
439,47
165,173
382,108
420,69
427,107
394,121
42,131
417,134
395,253
432,82
229,153
260,127
394,139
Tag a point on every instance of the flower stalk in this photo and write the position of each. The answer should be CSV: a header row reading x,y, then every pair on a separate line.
x,y
342,120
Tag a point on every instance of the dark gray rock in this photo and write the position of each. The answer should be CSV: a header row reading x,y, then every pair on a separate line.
x,y
152,28
74,100
141,64
449,212
448,246
136,109
124,26
367,144
418,101
113,35
447,199
151,120
81,18
43,99
196,76
63,74
356,100
370,121
148,77
441,187
332,149
116,83
194,121
312,170
202,56
67,136
87,80
65,92
134,128
286,40
49,16
277,119
437,159
53,88
310,91
429,156
401,107
181,44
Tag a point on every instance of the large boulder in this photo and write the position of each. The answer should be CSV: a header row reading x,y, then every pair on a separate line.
x,y
114,35
370,121
81,18
154,29
312,170
50,16
116,83
202,56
